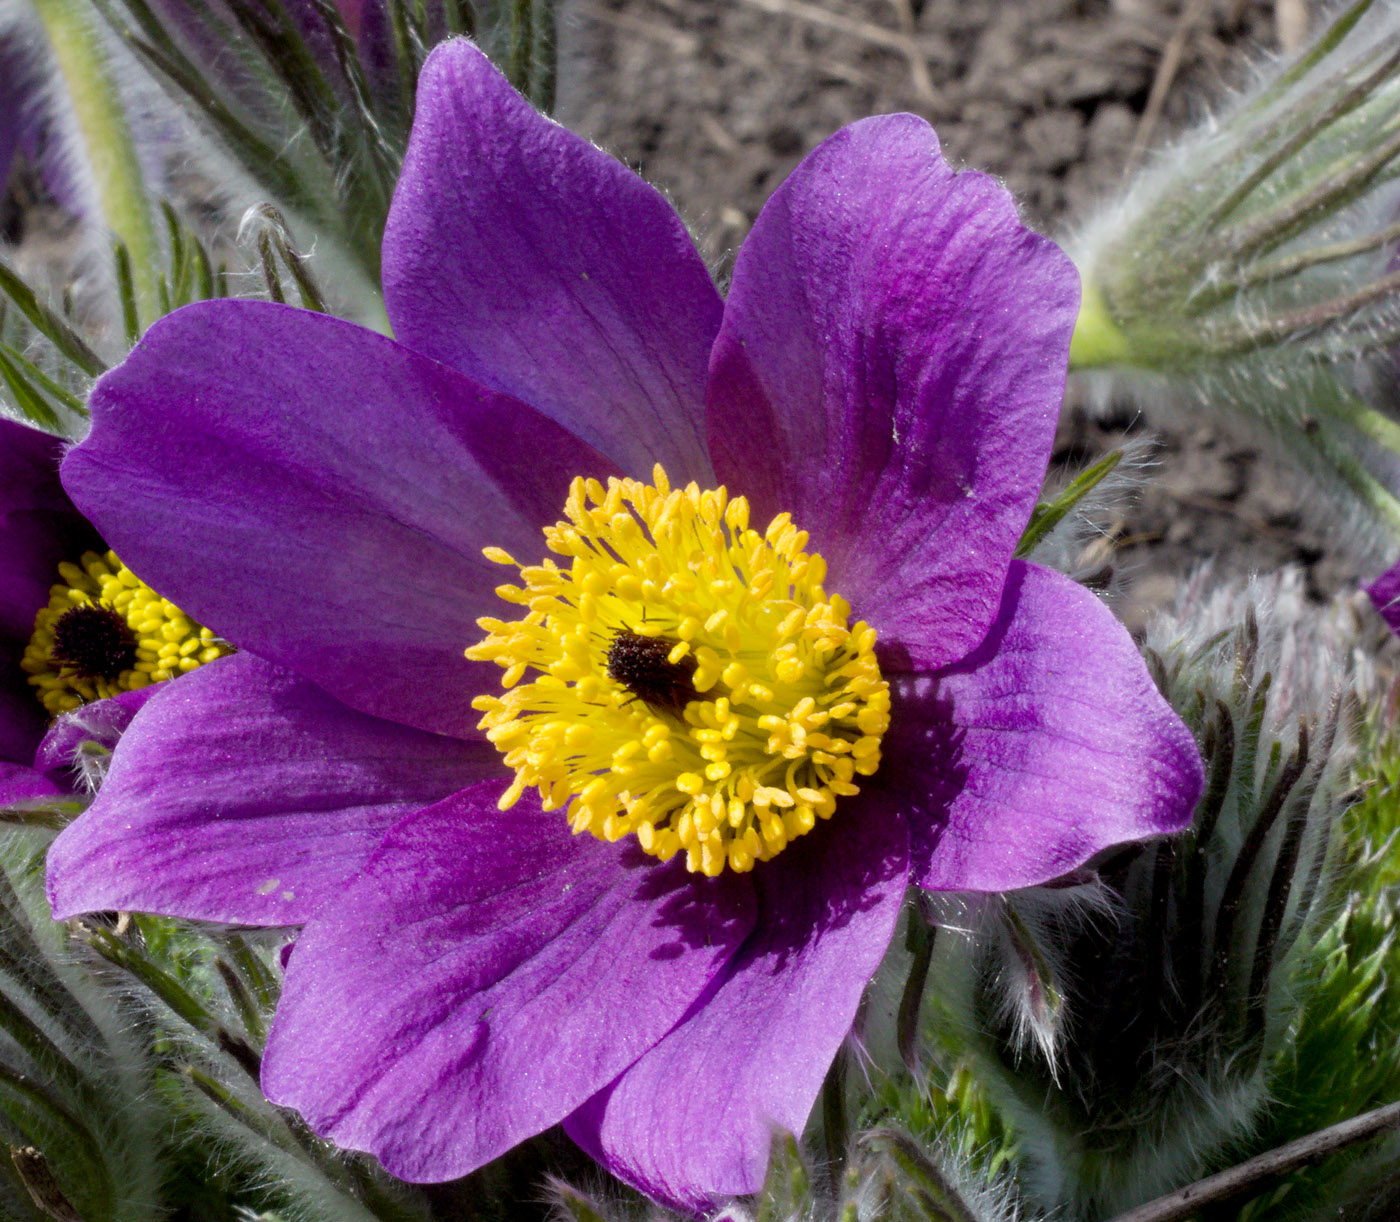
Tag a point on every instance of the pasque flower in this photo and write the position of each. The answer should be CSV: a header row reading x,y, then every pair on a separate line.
x,y
39,528
30,124
83,641
1384,593
771,648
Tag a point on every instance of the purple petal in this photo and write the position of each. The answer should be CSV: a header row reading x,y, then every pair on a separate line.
x,y
1047,744
36,115
101,724
890,371
693,1119
27,736
243,793
22,717
213,39
1384,593
19,784
372,26
525,257
38,527
485,975
324,505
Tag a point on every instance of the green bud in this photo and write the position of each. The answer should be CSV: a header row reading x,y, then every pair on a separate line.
x,y
1250,271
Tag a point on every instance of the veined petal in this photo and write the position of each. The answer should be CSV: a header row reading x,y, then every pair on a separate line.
x,y
22,718
38,527
102,722
36,120
321,495
889,371
1047,744
525,257
499,971
244,793
21,784
693,1119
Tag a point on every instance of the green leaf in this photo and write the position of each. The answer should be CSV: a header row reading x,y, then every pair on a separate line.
x,y
1049,514
50,325
30,402
126,291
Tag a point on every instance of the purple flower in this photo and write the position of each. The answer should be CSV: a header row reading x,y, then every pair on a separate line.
x,y
73,666
1384,593
35,122
38,528
887,369
212,38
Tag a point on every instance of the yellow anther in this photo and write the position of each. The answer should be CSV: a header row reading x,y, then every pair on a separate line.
x,y
690,782
104,631
731,735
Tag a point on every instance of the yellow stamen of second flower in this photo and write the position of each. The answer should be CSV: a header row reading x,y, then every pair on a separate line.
x,y
106,631
689,680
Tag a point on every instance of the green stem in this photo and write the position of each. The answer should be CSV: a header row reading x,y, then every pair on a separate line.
x,y
1271,270
521,57
1097,341
920,1177
546,56
179,1000
1368,489
919,941
1376,425
1251,1176
111,151
1342,104
1311,318
41,1118
1344,23
834,1123
1325,193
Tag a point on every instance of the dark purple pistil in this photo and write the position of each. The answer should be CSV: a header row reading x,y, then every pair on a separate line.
x,y
642,665
93,642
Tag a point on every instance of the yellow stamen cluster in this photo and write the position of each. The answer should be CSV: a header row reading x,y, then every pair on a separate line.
x,y
165,641
789,706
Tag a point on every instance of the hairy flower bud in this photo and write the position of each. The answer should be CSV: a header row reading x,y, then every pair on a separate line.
x,y
1250,270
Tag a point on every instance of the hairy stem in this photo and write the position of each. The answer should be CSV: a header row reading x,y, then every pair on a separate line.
x,y
1256,1172
87,79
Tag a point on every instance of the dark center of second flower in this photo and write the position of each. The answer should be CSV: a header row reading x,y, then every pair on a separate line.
x,y
92,641
642,664
104,631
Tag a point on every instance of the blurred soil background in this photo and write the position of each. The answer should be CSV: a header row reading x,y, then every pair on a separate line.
x,y
715,101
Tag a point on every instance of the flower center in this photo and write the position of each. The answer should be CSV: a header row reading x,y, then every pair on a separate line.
x,y
93,642
105,631
642,664
691,683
